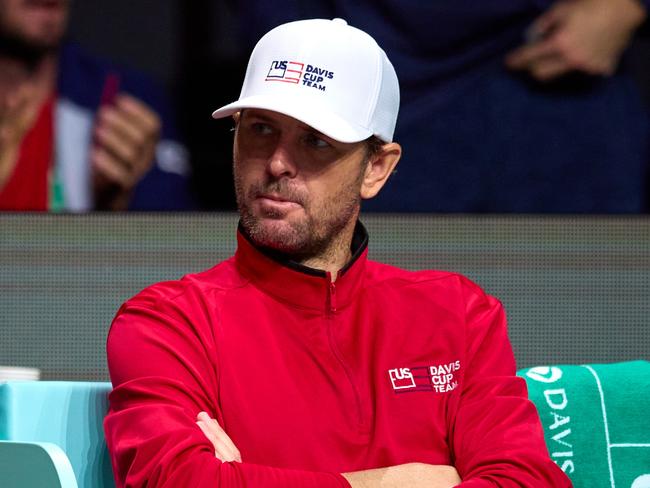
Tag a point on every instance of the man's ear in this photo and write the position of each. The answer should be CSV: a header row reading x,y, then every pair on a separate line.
x,y
378,168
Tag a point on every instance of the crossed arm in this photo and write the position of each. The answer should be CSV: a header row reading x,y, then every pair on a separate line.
x,y
412,474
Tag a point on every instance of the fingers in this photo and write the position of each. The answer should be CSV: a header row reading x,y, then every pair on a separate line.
x,y
553,57
542,46
549,69
543,26
585,36
546,56
121,125
138,112
222,451
530,54
126,135
111,169
224,447
126,150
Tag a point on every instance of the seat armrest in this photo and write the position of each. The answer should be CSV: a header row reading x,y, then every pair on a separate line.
x,y
34,465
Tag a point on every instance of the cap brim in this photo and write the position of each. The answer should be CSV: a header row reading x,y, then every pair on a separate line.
x,y
311,112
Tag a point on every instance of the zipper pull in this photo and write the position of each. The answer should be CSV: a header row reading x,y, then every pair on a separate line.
x,y
331,292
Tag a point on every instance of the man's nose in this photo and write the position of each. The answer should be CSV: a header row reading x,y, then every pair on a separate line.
x,y
281,161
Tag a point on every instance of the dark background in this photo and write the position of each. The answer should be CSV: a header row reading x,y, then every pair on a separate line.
x,y
193,50
198,51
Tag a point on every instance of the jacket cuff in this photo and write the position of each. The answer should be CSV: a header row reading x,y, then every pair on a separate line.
x,y
342,481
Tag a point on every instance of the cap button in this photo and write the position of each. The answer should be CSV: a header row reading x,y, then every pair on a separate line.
x,y
338,20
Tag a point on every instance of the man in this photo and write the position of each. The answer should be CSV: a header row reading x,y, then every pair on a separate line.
x,y
77,134
298,362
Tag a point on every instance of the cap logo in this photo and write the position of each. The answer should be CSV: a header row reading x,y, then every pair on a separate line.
x,y
296,73
286,71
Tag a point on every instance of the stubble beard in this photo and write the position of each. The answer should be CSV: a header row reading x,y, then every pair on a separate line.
x,y
22,48
318,234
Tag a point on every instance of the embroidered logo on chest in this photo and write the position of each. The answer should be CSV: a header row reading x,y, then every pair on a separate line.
x,y
438,378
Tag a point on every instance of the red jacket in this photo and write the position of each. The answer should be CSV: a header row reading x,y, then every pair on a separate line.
x,y
311,379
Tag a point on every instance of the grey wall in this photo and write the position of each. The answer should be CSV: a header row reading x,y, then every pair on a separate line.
x,y
576,290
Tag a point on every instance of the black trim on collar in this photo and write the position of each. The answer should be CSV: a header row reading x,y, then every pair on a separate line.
x,y
358,246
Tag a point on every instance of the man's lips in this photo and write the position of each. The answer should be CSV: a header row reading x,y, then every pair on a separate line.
x,y
276,201
275,198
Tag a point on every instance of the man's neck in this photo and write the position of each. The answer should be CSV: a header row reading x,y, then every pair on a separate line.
x,y
14,73
336,255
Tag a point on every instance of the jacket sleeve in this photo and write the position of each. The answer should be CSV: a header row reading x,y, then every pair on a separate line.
x,y
164,373
496,436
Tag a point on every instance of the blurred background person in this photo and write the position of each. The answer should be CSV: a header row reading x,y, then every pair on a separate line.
x,y
76,132
508,106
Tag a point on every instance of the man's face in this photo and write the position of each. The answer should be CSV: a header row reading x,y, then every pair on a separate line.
x,y
32,27
296,188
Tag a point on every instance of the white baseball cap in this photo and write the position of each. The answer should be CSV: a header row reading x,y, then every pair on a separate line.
x,y
325,73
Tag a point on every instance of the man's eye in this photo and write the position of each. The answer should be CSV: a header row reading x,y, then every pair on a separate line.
x,y
314,141
261,129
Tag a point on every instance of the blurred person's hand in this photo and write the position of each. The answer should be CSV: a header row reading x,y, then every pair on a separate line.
x,y
578,35
126,134
18,111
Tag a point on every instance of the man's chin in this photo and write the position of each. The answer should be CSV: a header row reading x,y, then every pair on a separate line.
x,y
277,234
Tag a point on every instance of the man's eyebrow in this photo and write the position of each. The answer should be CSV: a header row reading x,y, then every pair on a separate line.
x,y
308,128
258,116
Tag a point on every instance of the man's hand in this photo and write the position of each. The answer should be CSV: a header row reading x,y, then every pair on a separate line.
x,y
224,448
413,475
578,35
18,111
126,134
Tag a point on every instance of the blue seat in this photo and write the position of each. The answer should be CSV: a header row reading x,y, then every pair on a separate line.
x,y
67,414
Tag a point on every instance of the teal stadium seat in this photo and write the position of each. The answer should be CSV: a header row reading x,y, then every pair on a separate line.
x,y
34,464
596,421
54,429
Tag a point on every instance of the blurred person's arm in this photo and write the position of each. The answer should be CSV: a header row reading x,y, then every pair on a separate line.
x,y
587,36
18,111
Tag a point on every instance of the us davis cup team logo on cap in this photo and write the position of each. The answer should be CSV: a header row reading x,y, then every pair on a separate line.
x,y
299,73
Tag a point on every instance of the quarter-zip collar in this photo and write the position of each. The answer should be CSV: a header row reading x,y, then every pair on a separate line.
x,y
301,285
